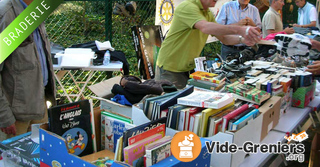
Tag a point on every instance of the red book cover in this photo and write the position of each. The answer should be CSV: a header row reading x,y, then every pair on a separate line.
x,y
234,113
191,112
159,129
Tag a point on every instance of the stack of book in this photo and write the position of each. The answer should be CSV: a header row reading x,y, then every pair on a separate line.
x,y
206,99
134,142
238,118
157,107
206,80
247,92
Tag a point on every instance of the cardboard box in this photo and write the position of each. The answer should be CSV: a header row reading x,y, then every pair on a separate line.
x,y
202,160
271,114
258,128
302,96
54,152
103,91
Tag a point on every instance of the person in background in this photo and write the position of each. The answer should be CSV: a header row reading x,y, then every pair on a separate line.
x,y
307,14
240,13
271,21
191,25
26,77
315,67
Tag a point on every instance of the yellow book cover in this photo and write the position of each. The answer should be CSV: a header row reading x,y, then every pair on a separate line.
x,y
205,117
205,76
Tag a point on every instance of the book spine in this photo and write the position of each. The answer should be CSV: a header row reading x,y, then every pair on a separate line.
x,y
148,158
126,155
191,123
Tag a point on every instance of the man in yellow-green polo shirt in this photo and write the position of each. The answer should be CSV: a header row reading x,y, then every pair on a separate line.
x,y
191,25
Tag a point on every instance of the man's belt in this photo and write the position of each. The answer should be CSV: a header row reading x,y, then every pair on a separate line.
x,y
242,47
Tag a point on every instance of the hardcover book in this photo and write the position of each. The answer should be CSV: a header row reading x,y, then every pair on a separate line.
x,y
114,129
215,122
243,120
107,130
195,123
147,42
148,104
236,118
206,99
226,118
173,115
75,123
192,111
137,150
205,117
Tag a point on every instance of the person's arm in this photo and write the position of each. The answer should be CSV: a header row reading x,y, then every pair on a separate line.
x,y
249,33
315,44
312,24
286,30
234,40
314,68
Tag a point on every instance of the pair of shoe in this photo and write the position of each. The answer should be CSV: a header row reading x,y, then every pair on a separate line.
x,y
126,10
293,44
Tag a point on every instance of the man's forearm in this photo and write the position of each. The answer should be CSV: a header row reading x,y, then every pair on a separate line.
x,y
217,29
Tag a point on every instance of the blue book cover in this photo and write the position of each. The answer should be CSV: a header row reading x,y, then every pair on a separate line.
x,y
242,121
202,160
29,151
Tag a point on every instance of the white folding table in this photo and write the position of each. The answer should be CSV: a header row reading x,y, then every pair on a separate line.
x,y
112,66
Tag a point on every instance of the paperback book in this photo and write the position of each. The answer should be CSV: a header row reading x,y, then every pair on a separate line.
x,y
158,151
206,99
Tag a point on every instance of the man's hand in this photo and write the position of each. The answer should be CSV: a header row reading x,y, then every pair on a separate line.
x,y
251,34
10,129
243,22
248,42
315,68
250,22
296,25
289,30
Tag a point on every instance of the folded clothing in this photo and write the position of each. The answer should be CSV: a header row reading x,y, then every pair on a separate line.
x,y
134,89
